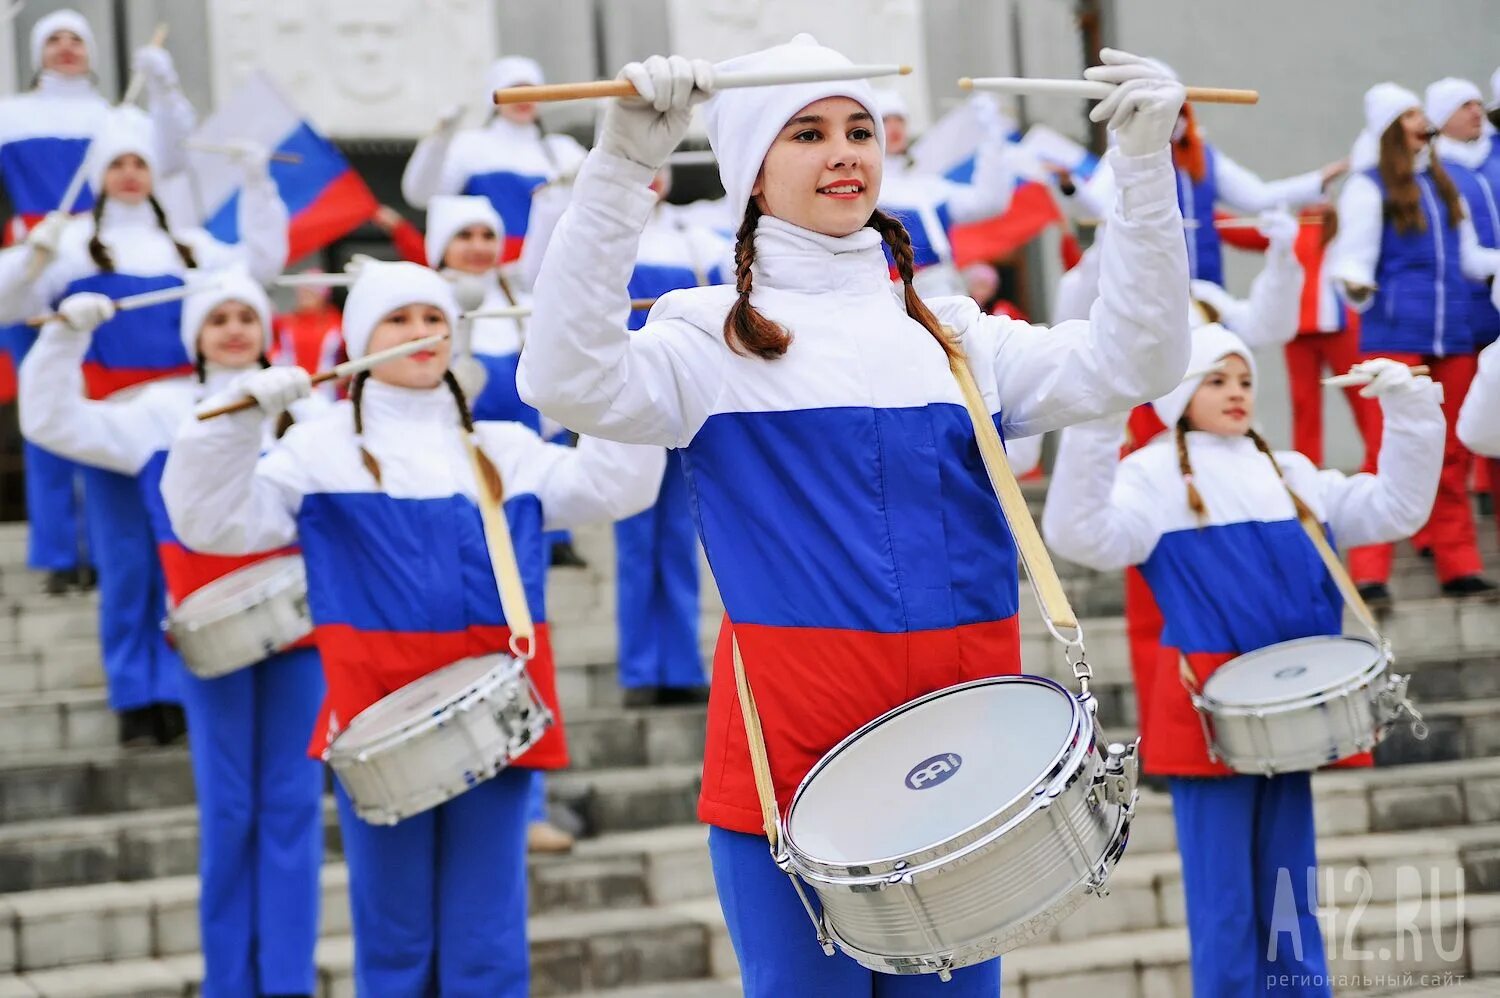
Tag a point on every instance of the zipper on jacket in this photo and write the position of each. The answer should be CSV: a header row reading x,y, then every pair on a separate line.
x,y
1442,265
1189,210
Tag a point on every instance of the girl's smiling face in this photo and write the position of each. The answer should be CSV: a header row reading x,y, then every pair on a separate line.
x,y
1225,403
823,171
231,336
424,369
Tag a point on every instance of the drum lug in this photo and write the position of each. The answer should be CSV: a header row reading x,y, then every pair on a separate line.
x,y
1392,703
1121,774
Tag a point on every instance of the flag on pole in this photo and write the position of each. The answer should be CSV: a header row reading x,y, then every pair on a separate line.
x,y
325,198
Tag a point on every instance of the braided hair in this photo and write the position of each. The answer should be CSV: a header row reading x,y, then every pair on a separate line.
x,y
748,332
99,253
1195,498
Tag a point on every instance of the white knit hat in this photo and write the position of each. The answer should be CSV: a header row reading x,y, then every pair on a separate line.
x,y
890,103
743,123
1384,103
1446,96
450,214
380,289
60,20
229,284
1211,344
513,71
126,130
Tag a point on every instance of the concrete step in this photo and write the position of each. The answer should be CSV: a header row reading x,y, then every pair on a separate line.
x,y
46,929
630,799
92,781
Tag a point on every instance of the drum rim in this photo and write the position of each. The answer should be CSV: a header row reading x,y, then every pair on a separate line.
x,y
1382,663
433,717
290,575
1065,767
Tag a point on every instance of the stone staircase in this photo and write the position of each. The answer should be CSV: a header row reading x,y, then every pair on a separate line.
x,y
98,847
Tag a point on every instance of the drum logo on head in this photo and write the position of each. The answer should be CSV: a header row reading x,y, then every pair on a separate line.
x,y
933,771
1290,672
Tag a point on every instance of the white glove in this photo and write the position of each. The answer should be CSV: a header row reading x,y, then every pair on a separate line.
x,y
253,158
155,64
1145,104
447,122
86,311
276,388
45,236
1388,378
646,129
1279,227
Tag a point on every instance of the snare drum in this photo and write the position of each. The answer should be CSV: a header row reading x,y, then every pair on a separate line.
x,y
431,740
1298,705
242,618
962,824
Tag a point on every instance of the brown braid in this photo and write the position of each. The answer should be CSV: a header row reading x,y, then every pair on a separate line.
x,y
745,329
183,250
1194,497
1304,512
356,396
894,233
492,483
1403,193
98,252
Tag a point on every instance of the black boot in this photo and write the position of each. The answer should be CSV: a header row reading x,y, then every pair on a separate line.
x,y
138,727
683,696
59,582
170,724
88,578
1377,596
642,696
565,555
1471,587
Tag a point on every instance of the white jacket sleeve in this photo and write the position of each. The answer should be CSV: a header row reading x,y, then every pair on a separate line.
x,y
1269,317
263,223
427,172
547,207
1477,261
18,296
116,436
1092,518
581,366
1134,346
173,118
222,496
1078,288
1355,251
988,192
1395,502
1244,191
1025,454
1094,198
1479,419
597,481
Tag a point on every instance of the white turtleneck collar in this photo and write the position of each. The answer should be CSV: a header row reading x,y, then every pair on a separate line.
x,y
1219,441
119,215
51,84
389,406
217,378
502,127
791,258
1469,154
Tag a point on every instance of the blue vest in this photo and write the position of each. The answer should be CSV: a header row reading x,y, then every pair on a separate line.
x,y
1481,189
1197,200
1422,303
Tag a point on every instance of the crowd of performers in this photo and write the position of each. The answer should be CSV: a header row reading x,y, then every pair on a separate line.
x,y
787,403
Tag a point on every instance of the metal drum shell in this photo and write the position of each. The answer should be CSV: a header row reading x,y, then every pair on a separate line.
x,y
268,616
439,754
995,886
1274,737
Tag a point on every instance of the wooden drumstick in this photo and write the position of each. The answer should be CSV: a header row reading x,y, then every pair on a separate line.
x,y
1252,223
722,81
1354,379
334,280
1093,89
146,298
347,369
524,311
138,80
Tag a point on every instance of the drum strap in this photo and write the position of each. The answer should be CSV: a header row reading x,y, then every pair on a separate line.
x,y
502,553
760,762
1335,567
1039,568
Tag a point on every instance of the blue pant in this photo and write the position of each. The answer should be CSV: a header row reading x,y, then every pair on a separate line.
x,y
260,812
536,798
656,552
778,948
54,541
140,668
439,900
1248,852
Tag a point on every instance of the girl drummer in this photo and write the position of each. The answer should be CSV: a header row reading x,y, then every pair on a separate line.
x,y
380,491
1210,515
837,488
127,247
259,796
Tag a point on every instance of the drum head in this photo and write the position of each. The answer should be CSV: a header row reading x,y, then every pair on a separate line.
x,y
419,700
1290,670
938,767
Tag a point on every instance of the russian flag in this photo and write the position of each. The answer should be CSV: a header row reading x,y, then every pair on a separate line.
x,y
325,198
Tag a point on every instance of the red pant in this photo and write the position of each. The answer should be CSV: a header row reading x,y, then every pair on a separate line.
x,y
1307,357
1450,529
